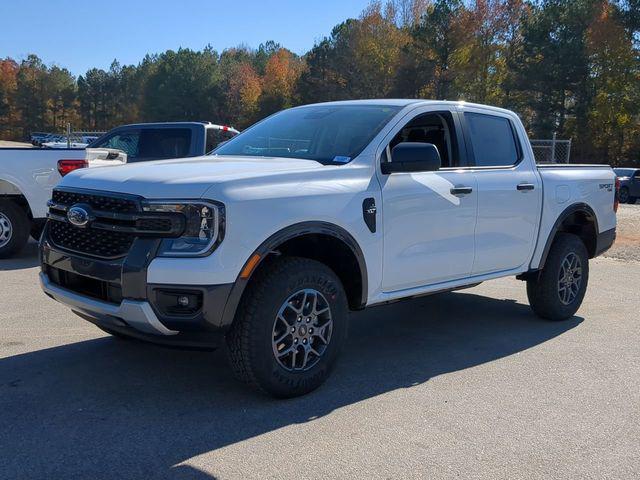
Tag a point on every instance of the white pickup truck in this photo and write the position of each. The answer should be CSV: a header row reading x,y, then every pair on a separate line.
x,y
316,211
27,176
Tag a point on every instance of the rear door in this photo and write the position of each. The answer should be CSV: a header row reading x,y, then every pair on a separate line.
x,y
509,191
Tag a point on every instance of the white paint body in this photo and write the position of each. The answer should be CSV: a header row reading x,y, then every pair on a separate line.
x,y
427,239
33,173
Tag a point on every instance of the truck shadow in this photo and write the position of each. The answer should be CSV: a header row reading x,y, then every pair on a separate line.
x,y
27,258
107,408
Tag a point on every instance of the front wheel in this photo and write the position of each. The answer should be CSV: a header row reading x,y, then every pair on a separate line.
x,y
14,228
557,291
289,328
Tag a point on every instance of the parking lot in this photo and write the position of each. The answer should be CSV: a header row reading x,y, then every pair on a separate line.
x,y
461,385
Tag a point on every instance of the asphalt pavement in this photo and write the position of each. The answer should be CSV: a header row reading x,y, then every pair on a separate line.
x,y
461,385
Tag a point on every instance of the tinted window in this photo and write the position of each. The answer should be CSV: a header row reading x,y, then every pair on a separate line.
x,y
492,139
150,143
330,134
624,172
158,143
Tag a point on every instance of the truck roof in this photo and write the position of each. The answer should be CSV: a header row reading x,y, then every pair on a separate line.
x,y
404,102
164,124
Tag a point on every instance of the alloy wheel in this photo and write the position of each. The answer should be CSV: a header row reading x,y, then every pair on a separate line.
x,y
6,230
569,278
302,330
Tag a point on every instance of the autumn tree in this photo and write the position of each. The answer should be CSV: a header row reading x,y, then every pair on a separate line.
x,y
615,75
281,74
8,114
568,67
484,32
425,68
242,92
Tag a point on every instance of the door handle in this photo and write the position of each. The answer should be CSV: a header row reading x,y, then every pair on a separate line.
x,y
526,186
461,190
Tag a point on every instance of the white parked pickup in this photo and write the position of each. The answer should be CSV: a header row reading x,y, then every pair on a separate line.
x,y
316,211
27,176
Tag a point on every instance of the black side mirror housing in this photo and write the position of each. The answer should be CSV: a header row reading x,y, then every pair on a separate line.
x,y
413,157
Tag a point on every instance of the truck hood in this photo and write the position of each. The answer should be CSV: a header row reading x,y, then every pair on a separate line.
x,y
181,178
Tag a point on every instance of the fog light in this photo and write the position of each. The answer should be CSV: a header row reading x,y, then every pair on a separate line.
x,y
178,302
183,301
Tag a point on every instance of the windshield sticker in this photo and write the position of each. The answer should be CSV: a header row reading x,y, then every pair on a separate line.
x,y
340,159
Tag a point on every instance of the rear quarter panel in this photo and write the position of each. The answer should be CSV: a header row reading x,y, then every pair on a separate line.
x,y
33,172
567,185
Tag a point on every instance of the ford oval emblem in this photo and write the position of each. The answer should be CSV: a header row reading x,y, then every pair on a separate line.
x,y
78,216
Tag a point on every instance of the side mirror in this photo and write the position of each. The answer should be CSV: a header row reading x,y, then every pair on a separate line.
x,y
413,157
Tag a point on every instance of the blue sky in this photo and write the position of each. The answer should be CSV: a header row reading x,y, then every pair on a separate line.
x,y
79,35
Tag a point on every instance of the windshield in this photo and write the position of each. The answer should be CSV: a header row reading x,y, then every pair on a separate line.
x,y
329,134
624,172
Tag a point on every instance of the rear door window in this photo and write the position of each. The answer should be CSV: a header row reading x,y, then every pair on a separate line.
x,y
159,143
150,143
492,139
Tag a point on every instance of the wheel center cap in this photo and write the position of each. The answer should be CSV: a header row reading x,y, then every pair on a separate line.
x,y
302,330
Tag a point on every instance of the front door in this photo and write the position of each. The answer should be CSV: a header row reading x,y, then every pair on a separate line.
x,y
428,217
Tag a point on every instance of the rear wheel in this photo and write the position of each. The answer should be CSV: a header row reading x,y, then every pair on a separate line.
x,y
290,327
14,228
623,195
557,291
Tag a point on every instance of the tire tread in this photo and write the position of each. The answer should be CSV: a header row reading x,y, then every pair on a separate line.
x,y
542,290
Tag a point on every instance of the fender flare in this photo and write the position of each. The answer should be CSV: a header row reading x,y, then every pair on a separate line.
x,y
267,247
566,213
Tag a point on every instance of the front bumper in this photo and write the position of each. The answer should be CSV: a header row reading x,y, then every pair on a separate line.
x,y
114,294
134,313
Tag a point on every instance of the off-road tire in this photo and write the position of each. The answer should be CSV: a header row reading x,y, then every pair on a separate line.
x,y
20,225
249,342
543,288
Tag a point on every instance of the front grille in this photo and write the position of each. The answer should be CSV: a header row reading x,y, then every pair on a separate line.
x,y
107,203
116,221
106,291
154,224
90,241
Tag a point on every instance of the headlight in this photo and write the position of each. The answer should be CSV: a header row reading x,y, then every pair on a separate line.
x,y
204,226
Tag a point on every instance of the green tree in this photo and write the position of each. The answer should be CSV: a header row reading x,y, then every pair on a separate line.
x,y
426,61
183,85
550,71
31,95
614,70
61,98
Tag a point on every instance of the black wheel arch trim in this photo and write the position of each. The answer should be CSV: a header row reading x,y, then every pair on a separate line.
x,y
566,213
268,247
